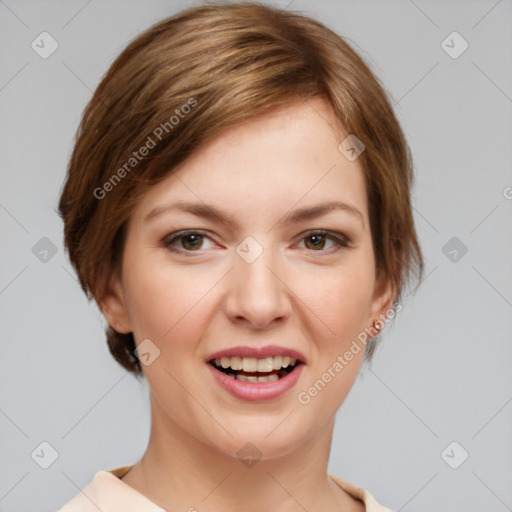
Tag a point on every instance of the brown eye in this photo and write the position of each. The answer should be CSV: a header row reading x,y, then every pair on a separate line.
x,y
185,241
191,241
316,241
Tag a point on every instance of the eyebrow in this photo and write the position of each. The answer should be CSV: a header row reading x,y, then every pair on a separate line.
x,y
294,217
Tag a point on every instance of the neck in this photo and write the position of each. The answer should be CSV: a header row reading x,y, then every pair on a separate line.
x,y
180,472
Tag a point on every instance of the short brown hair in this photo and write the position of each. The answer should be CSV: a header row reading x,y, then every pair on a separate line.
x,y
227,63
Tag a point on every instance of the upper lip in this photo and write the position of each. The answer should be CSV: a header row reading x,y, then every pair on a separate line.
x,y
258,352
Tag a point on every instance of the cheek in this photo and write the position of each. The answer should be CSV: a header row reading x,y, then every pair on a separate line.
x,y
338,303
163,301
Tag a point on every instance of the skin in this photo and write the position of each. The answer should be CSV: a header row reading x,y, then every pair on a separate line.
x,y
302,292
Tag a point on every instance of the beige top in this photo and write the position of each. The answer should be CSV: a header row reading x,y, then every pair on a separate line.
x,y
108,493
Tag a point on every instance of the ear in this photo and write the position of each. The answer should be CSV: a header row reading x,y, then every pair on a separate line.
x,y
384,294
113,305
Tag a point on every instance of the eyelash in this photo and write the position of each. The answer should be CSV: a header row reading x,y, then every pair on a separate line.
x,y
341,240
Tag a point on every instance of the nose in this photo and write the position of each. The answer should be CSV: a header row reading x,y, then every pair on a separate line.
x,y
257,295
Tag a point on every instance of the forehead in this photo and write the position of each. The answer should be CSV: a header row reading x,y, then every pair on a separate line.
x,y
288,156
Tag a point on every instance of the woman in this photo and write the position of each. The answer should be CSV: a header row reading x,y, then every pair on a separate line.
x,y
238,205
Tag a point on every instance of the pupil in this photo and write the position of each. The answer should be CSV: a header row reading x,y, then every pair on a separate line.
x,y
187,237
318,237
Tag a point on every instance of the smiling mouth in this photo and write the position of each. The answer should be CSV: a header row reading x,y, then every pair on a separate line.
x,y
251,369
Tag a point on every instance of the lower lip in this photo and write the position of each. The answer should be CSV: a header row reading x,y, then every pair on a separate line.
x,y
256,391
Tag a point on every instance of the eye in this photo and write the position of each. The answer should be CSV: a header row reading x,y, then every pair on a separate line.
x,y
315,240
191,241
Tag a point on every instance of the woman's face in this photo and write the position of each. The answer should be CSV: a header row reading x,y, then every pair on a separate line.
x,y
264,279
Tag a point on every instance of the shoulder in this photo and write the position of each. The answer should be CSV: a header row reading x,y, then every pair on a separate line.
x,y
84,500
371,504
108,493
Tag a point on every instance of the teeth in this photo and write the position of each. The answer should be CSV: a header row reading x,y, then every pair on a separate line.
x,y
249,364
236,363
266,365
245,378
252,364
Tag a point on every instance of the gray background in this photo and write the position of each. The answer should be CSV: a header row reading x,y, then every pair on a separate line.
x,y
442,373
